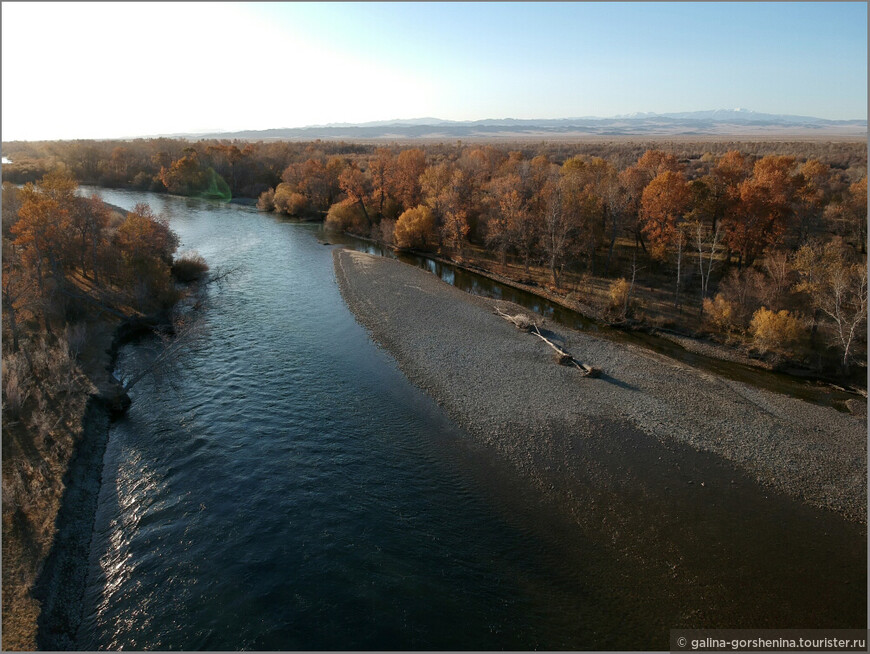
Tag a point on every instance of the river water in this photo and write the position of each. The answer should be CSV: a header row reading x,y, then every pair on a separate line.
x,y
285,487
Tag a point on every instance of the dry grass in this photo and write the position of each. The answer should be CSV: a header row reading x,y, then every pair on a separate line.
x,y
43,405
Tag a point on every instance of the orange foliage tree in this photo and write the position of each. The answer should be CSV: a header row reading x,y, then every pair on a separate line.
x,y
405,177
664,204
765,208
416,229
356,187
184,176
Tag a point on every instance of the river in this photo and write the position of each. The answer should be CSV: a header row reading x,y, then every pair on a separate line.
x,y
285,487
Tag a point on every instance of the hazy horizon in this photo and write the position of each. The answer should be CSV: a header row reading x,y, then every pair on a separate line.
x,y
143,69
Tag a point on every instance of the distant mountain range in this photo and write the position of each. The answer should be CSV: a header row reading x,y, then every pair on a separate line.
x,y
718,123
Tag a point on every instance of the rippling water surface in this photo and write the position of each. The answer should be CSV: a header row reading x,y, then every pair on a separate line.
x,y
287,488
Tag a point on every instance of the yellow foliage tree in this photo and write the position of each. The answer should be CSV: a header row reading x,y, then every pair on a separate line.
x,y
416,229
720,312
773,330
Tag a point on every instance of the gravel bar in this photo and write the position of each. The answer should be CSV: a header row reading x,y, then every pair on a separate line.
x,y
504,388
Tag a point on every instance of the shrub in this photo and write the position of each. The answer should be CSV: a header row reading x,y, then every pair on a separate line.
x,y
289,201
189,267
618,293
719,312
620,303
780,331
266,201
347,216
524,322
416,229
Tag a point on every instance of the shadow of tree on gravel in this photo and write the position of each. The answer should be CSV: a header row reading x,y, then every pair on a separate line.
x,y
617,382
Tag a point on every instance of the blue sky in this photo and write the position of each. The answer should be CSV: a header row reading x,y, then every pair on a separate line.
x,y
128,69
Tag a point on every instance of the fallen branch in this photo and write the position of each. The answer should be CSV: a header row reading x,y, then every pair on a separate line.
x,y
520,321
220,274
563,358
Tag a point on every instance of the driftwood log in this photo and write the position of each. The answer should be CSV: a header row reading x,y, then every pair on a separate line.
x,y
521,321
563,358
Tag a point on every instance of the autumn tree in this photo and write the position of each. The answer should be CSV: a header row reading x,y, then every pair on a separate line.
x,y
634,180
614,204
856,214
415,229
184,176
446,190
558,230
11,205
381,169
511,224
316,179
765,208
224,159
583,187
837,287
147,244
811,195
120,163
723,184
19,296
504,199
405,177
42,233
663,205
456,204
89,218
356,187
434,184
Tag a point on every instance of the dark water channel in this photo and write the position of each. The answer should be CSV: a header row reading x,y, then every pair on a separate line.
x,y
285,487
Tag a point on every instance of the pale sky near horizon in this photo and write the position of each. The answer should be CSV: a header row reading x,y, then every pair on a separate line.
x,y
116,70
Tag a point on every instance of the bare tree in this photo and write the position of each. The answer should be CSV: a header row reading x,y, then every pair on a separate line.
x,y
557,233
706,259
837,287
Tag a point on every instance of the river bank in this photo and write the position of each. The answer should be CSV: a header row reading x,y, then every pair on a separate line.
x,y
38,565
44,578
704,347
60,584
666,463
727,360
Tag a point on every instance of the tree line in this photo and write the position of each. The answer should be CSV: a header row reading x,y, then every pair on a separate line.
x,y
713,225
774,247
